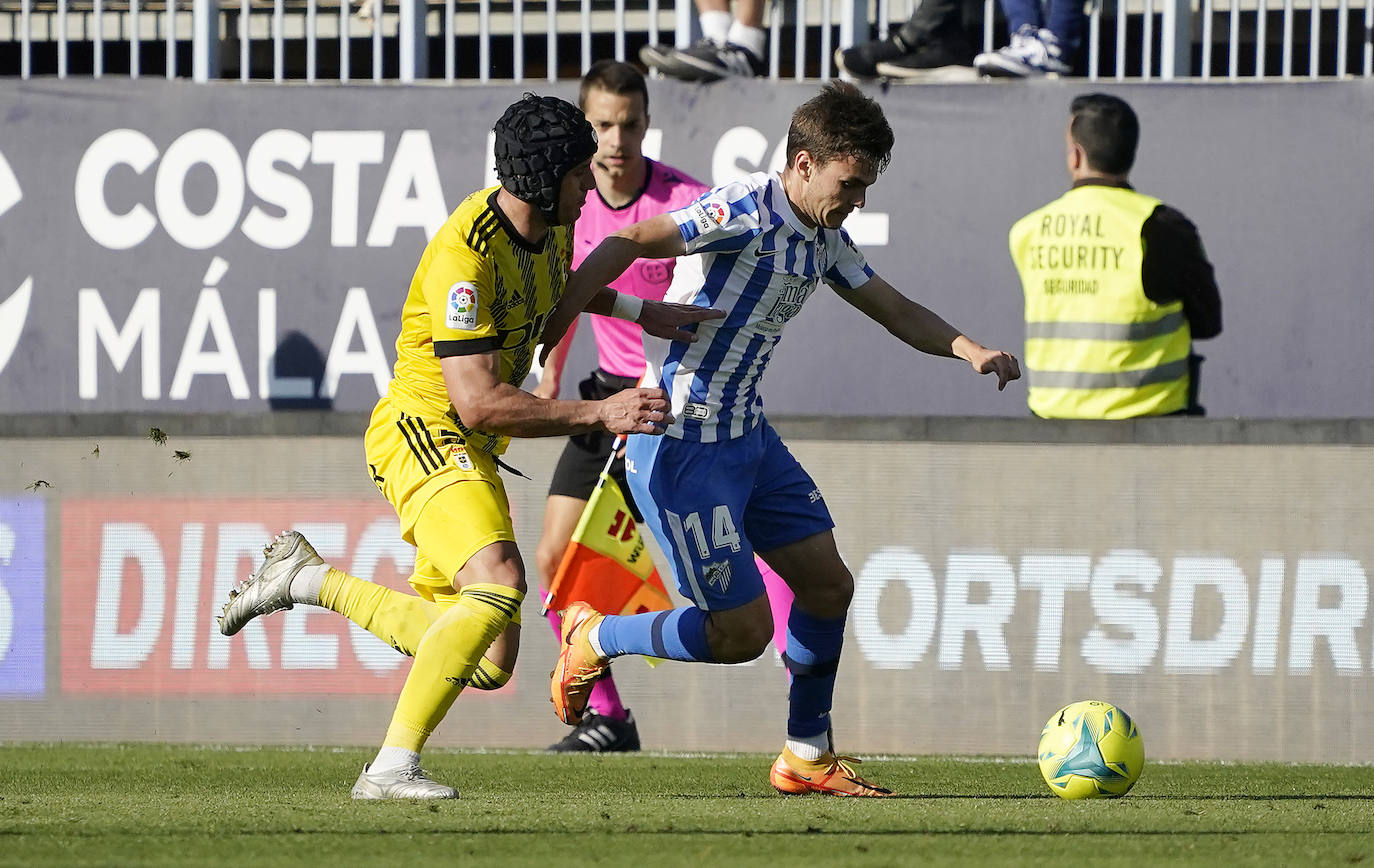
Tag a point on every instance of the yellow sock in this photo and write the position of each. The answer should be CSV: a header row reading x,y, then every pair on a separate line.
x,y
446,659
398,619
489,676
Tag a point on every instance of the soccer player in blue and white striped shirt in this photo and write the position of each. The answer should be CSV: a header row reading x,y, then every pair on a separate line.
x,y
721,485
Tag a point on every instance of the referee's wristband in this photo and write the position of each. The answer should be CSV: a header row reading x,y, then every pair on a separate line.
x,y
627,306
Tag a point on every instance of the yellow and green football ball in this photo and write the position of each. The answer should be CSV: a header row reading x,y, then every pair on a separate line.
x,y
1091,750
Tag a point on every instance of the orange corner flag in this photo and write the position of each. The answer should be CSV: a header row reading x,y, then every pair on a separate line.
x,y
606,564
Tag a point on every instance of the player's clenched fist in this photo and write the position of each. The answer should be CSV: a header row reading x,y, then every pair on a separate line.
x,y
636,411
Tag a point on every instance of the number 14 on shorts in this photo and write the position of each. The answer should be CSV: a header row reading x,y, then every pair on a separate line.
x,y
723,533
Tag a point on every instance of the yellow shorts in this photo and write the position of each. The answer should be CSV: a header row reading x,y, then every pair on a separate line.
x,y
450,499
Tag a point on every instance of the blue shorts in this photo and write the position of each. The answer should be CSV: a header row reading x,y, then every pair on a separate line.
x,y
712,505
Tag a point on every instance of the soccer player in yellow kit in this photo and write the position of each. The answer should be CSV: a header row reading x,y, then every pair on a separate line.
x,y
474,314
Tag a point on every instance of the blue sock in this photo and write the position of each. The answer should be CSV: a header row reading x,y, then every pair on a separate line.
x,y
812,658
677,634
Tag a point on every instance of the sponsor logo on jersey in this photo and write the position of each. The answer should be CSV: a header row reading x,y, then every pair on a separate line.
x,y
459,455
461,312
700,412
796,289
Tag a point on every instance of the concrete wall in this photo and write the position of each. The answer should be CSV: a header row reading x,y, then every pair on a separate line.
x,y
1218,590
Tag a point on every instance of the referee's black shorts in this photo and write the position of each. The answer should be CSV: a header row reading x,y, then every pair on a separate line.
x,y
579,467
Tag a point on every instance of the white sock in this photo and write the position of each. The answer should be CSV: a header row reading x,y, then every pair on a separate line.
x,y
594,637
715,26
390,759
752,38
811,747
306,584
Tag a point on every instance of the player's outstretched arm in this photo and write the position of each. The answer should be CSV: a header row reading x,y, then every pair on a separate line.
x,y
662,319
923,329
655,238
485,403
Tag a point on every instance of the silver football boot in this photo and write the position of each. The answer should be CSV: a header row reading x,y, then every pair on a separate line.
x,y
268,590
405,783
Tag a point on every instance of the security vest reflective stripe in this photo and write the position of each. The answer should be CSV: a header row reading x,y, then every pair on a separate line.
x,y
1096,347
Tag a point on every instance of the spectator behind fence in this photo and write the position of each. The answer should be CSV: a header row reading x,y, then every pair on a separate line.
x,y
1117,284
935,44
730,45
1044,39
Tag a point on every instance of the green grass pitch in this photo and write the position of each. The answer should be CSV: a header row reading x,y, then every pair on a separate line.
x,y
176,805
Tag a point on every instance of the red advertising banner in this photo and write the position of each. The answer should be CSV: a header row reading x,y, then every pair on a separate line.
x,y
142,581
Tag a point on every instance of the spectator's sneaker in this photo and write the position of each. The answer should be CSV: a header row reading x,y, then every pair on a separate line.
x,y
268,589
931,61
861,61
704,61
665,59
600,734
1032,52
578,667
832,775
410,782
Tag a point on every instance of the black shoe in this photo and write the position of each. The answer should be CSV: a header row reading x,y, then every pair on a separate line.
x,y
861,61
600,734
704,61
931,61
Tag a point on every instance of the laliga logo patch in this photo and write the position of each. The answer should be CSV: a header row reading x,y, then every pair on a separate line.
x,y
462,307
708,215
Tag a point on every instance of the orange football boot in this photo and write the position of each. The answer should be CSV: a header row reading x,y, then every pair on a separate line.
x,y
578,666
832,775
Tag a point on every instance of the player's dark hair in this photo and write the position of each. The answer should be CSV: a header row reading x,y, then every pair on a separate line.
x,y
841,122
615,77
1107,130
539,140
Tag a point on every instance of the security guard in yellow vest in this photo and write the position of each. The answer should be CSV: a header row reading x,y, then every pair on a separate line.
x,y
1117,284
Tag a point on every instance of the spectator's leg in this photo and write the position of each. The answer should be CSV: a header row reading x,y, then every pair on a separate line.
x,y
1021,13
747,30
933,20
1066,22
715,19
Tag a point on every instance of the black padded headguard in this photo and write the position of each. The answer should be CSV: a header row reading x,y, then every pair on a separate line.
x,y
538,141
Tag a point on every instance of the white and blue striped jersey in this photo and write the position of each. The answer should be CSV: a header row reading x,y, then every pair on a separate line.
x,y
757,261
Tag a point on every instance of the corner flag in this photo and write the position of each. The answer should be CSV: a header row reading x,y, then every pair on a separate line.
x,y
607,564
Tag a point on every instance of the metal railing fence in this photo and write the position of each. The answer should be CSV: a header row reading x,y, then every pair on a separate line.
x,y
518,40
